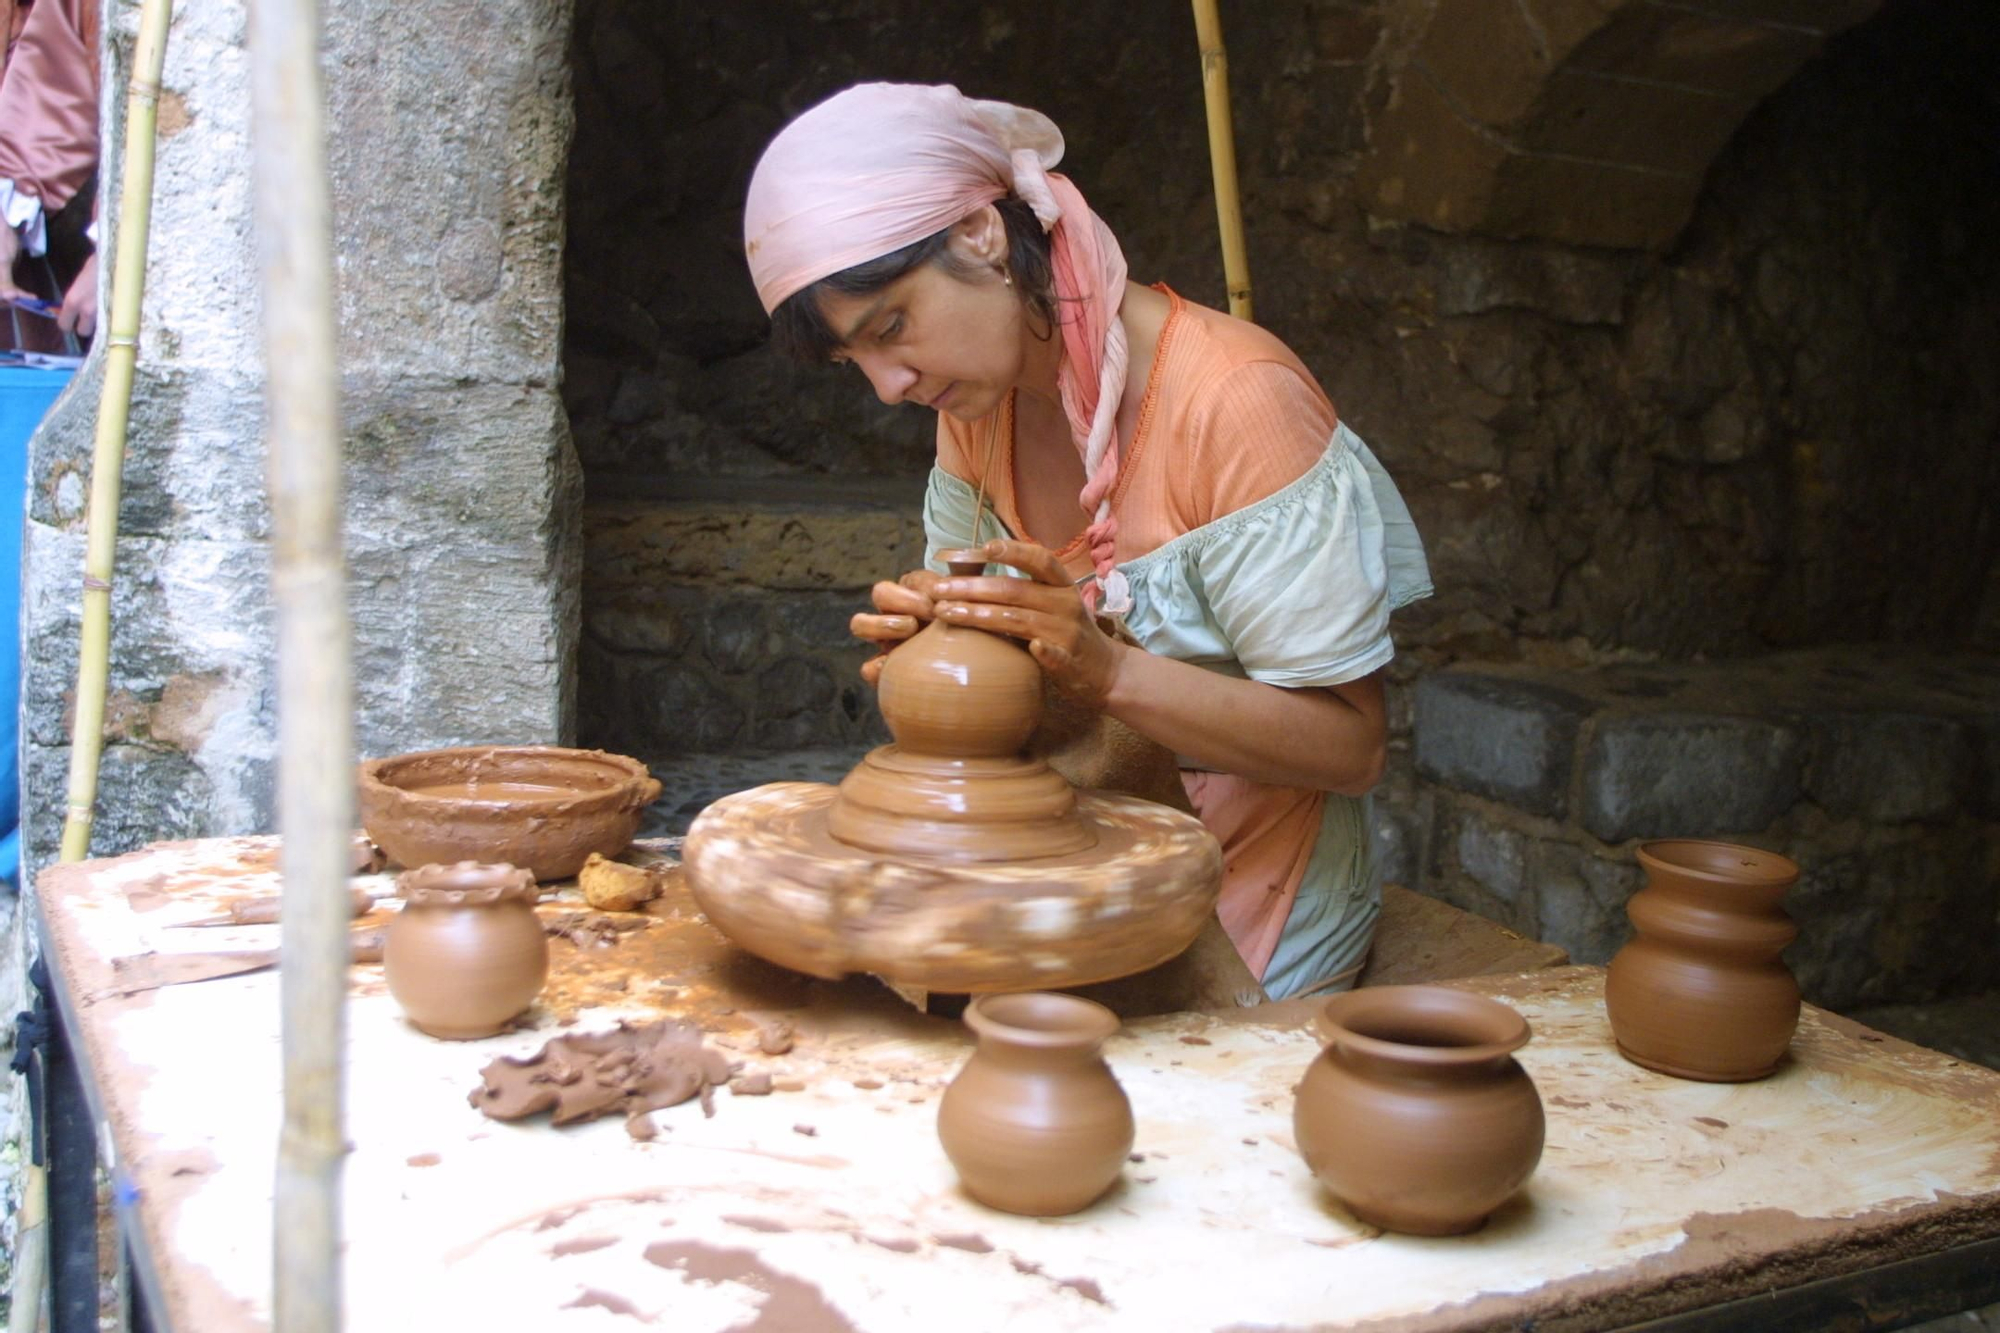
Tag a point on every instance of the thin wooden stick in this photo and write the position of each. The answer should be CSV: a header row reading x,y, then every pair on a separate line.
x,y
1222,156
979,496
114,406
315,697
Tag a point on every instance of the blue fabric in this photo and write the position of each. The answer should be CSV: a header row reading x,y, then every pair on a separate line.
x,y
25,396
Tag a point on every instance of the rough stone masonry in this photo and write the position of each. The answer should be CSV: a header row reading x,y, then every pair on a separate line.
x,y
451,124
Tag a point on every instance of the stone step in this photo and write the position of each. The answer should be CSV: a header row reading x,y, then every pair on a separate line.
x,y
1877,769
780,539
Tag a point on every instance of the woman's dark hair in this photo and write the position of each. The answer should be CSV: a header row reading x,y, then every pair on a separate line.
x,y
799,329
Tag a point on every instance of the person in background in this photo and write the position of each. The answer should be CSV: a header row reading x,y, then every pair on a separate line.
x,y
48,145
1183,468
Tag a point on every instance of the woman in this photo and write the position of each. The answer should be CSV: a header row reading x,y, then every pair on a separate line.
x,y
1180,466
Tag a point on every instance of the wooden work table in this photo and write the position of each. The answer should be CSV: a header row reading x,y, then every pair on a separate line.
x,y
1866,1165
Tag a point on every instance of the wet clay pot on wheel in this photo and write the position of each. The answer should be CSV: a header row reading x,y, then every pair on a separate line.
x,y
1416,1116
955,786
467,953
1701,992
1034,1122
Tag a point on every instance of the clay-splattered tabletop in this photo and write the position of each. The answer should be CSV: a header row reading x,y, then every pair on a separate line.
x,y
828,1205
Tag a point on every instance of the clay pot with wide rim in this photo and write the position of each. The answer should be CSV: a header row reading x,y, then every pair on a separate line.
x,y
540,807
1035,1122
466,954
1416,1115
1701,991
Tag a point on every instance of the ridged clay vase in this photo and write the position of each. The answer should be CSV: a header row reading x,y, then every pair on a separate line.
x,y
1416,1115
1701,991
466,954
961,703
1035,1122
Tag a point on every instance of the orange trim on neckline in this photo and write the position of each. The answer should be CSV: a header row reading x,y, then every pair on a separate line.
x,y
1141,429
1127,457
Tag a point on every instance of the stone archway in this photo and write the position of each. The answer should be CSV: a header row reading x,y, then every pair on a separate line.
x,y
1591,122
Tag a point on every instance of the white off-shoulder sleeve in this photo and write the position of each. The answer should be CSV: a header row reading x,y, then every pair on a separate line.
x,y
948,502
1293,590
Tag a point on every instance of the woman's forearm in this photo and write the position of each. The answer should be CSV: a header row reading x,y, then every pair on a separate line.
x,y
1330,739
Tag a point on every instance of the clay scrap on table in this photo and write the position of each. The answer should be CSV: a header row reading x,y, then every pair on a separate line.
x,y
630,1070
613,886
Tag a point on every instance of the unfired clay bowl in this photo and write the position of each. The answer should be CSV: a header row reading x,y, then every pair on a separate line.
x,y
539,807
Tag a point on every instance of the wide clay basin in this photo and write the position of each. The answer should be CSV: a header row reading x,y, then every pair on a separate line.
x,y
539,807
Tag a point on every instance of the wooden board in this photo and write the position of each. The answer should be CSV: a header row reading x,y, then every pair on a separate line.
x,y
830,1203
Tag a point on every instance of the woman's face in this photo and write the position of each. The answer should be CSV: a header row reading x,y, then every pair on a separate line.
x,y
953,341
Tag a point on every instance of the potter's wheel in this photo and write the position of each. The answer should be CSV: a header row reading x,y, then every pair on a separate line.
x,y
768,874
953,860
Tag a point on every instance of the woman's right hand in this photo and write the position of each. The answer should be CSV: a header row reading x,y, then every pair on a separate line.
x,y
901,608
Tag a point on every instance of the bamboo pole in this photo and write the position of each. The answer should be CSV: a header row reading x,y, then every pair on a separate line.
x,y
107,467
315,701
1222,156
114,406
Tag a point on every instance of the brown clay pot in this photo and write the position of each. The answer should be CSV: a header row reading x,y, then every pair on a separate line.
x,y
467,953
1416,1116
1034,1122
540,807
1701,992
955,786
962,692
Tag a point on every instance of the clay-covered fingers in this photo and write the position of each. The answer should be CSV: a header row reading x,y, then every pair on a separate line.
x,y
1048,617
909,595
884,630
1038,562
900,610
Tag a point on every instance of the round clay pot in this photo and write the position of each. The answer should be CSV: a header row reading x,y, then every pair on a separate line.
x,y
1701,992
540,807
467,953
1034,1122
1416,1116
952,690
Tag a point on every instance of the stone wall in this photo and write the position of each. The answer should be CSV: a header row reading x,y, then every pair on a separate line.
x,y
449,128
1707,449
1877,770
461,524
1588,123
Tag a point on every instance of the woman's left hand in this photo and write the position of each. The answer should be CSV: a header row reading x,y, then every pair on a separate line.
x,y
1047,613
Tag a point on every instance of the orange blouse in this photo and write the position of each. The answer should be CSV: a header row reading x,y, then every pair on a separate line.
x,y
1230,416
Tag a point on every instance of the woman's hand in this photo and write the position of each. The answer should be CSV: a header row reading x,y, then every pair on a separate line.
x,y
79,303
1047,613
901,608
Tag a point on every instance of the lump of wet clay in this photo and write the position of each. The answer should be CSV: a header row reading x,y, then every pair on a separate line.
x,y
632,1069
613,886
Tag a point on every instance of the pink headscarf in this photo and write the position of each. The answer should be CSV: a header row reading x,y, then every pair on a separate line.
x,y
884,165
